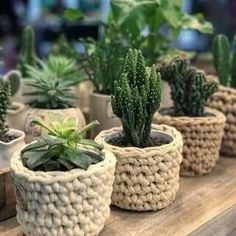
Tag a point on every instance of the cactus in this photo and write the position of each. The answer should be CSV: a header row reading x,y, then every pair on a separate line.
x,y
136,97
224,61
5,94
14,79
27,55
189,88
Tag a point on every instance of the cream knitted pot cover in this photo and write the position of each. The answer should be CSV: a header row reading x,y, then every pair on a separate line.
x,y
146,178
71,203
224,100
202,140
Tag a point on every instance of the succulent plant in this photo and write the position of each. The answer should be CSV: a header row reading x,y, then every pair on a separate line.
x,y
5,93
136,97
27,55
52,82
224,61
14,79
63,148
189,88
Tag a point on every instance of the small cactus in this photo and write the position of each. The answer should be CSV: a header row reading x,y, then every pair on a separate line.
x,y
189,88
136,97
14,79
5,94
224,61
27,55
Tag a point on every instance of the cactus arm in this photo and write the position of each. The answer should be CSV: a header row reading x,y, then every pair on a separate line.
x,y
233,65
221,57
14,79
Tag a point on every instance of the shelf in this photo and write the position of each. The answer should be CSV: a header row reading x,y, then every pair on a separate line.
x,y
204,206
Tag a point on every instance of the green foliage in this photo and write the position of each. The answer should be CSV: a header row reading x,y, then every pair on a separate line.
x,y
52,82
224,61
136,98
103,60
73,14
5,93
14,79
133,16
27,55
189,88
63,148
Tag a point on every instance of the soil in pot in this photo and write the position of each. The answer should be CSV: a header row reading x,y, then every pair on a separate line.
x,y
156,139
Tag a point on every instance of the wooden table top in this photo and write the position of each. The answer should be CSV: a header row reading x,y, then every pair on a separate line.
x,y
204,206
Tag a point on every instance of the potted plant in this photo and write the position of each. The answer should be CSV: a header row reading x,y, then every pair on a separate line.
x,y
101,64
225,97
148,157
63,182
202,128
52,84
11,140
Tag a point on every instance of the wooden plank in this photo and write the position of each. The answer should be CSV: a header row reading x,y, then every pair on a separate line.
x,y
204,206
7,198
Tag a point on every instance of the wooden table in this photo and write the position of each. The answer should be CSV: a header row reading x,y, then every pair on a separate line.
x,y
205,206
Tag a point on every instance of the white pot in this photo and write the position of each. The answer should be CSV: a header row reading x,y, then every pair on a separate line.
x,y
101,110
7,149
71,203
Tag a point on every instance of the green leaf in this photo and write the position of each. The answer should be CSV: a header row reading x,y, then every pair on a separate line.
x,y
73,14
92,143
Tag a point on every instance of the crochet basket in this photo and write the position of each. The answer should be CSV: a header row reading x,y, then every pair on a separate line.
x,y
202,140
145,178
72,203
224,100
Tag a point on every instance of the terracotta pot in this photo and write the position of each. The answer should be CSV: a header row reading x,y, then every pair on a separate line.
x,y
224,100
75,202
14,114
202,139
33,131
101,110
145,178
7,149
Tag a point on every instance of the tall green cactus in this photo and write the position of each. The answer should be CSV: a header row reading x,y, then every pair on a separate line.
x,y
27,55
5,94
136,97
14,79
224,61
189,88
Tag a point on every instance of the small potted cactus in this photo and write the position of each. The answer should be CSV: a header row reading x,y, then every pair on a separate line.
x,y
52,84
224,99
63,182
202,128
11,140
148,157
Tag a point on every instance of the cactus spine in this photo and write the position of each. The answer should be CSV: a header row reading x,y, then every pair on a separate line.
x,y
136,97
27,55
5,94
189,88
224,61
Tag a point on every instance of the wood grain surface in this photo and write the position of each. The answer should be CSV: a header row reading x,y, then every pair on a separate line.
x,y
205,206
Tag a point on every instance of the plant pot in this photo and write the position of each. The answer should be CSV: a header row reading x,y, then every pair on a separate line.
x,y
69,203
146,179
14,114
7,149
202,139
20,97
101,110
224,100
33,131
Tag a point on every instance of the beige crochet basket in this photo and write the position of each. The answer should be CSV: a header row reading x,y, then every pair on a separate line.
x,y
72,203
224,100
145,178
202,140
